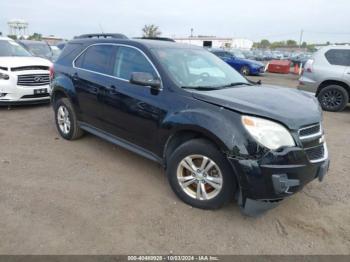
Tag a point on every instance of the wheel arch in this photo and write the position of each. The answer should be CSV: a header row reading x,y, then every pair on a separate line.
x,y
184,134
62,86
332,82
57,94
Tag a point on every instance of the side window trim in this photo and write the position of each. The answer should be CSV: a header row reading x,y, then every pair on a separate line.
x,y
112,44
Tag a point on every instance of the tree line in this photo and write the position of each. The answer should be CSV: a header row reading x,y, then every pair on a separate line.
x,y
266,44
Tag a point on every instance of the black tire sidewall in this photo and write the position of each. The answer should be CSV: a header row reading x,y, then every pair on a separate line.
x,y
344,93
66,103
206,148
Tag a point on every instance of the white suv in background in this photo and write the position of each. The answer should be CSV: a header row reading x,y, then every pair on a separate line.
x,y
327,74
23,78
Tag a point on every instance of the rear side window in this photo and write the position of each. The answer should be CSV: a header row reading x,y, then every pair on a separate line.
x,y
129,60
97,58
338,57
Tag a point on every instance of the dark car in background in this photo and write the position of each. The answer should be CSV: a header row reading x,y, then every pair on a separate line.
x,y
300,58
217,135
38,48
237,60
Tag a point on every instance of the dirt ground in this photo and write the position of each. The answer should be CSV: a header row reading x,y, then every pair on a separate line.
x,y
90,197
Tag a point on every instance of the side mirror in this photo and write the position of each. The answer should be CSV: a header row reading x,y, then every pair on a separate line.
x,y
145,79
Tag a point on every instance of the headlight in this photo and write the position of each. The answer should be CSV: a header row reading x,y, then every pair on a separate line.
x,y
4,76
268,133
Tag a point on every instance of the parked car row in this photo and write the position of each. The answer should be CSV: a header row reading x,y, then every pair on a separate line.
x,y
41,49
267,55
237,60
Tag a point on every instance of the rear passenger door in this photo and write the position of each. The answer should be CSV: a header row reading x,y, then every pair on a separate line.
x,y
133,112
91,77
347,70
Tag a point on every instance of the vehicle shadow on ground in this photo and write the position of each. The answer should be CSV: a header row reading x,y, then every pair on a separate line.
x,y
23,107
147,170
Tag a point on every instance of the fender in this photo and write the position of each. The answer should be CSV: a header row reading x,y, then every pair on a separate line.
x,y
64,84
209,123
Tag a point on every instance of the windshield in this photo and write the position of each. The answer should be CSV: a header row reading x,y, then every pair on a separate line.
x,y
238,54
39,49
197,68
11,48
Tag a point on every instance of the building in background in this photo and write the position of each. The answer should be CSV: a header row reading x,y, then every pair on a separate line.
x,y
216,42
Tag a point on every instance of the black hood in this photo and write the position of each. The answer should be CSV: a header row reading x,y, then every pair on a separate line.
x,y
289,106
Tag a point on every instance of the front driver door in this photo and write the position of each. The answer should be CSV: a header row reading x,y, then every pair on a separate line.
x,y
133,112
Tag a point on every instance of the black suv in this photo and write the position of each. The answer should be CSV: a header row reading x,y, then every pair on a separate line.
x,y
218,135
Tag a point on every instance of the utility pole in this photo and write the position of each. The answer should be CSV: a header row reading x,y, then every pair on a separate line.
x,y
301,38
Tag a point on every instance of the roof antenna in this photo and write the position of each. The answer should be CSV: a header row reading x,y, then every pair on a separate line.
x,y
101,28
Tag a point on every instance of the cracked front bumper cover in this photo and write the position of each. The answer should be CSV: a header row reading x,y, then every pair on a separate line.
x,y
267,181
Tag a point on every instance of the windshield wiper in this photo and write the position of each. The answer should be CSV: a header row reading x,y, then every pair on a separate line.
x,y
236,84
201,88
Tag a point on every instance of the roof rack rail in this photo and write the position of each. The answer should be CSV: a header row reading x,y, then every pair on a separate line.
x,y
156,38
102,35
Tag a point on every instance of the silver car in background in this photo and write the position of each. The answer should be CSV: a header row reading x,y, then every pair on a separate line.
x,y
327,74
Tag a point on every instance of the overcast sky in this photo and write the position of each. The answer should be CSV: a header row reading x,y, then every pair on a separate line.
x,y
322,20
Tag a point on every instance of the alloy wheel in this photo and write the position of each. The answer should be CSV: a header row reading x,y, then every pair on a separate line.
x,y
332,99
199,177
63,119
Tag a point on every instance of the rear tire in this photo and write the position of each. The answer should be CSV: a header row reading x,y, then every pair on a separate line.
x,y
192,165
66,120
333,98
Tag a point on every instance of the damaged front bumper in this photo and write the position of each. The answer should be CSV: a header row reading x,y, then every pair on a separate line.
x,y
277,175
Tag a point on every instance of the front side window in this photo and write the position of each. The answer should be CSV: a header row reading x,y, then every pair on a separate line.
x,y
190,67
97,58
129,60
338,57
11,48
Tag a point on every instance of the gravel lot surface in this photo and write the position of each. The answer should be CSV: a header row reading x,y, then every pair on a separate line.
x,y
90,197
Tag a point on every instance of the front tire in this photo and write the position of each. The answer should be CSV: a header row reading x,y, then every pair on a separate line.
x,y
66,120
200,175
333,98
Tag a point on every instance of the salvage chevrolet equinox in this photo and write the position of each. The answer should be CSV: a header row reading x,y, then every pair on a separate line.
x,y
217,135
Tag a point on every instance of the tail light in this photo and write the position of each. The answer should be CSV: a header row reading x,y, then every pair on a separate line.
x,y
309,66
52,72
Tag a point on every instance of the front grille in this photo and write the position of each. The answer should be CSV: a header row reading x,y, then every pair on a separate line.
x,y
312,141
33,80
311,130
315,153
34,67
36,95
